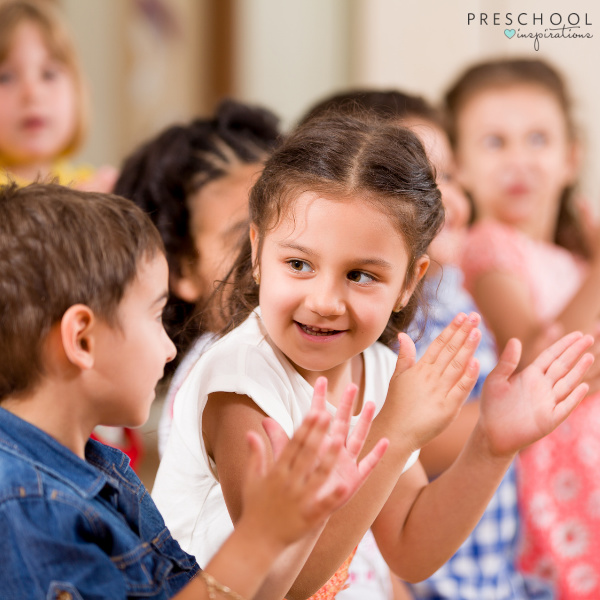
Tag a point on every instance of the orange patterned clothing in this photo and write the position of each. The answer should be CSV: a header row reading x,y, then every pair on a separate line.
x,y
337,582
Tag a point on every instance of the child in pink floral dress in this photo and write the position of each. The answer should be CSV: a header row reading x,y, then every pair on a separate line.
x,y
531,273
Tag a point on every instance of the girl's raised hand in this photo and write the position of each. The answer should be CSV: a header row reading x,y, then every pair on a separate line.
x,y
428,394
517,410
314,473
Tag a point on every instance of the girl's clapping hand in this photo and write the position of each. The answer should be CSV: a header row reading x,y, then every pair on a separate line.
x,y
519,409
430,392
314,473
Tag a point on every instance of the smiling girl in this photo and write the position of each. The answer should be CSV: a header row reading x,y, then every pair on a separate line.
x,y
341,218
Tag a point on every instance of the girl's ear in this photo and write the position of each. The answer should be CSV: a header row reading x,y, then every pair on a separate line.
x,y
188,286
254,243
574,158
419,269
77,335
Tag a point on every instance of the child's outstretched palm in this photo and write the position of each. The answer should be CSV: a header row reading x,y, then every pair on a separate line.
x,y
519,409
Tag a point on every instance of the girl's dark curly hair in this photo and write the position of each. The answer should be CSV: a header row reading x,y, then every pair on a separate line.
x,y
379,162
166,171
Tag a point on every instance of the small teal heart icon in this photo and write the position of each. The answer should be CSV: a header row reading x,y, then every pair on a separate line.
x,y
509,33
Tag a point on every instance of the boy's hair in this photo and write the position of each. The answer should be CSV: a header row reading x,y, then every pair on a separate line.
x,y
506,73
380,163
162,174
391,105
44,15
60,247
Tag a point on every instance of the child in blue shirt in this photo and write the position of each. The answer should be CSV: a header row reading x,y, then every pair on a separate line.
x,y
83,282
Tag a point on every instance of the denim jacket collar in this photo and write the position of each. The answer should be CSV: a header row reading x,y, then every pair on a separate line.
x,y
47,454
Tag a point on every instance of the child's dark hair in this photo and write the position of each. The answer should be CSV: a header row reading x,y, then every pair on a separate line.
x,y
383,164
60,247
391,105
505,73
162,175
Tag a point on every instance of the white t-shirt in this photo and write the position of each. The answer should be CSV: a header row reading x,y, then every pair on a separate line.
x,y
243,362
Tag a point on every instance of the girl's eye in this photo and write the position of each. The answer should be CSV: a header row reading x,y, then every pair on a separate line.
x,y
538,139
360,277
50,74
445,177
5,77
492,141
299,265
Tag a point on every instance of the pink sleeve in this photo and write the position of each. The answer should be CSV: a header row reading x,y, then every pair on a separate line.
x,y
492,247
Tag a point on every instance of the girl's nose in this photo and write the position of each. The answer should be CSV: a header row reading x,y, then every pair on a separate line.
x,y
170,349
31,86
326,299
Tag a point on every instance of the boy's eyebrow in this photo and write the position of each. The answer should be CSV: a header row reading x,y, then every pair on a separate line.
x,y
378,262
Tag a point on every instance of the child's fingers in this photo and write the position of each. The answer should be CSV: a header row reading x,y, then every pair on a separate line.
x,y
407,353
297,443
359,434
564,363
307,451
276,435
563,409
463,387
440,342
448,354
549,355
343,415
508,359
566,384
319,394
370,461
459,363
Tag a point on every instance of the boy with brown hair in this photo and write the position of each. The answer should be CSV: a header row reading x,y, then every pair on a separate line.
x,y
83,283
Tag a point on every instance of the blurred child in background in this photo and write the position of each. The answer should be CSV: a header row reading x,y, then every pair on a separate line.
x,y
193,180
43,100
531,265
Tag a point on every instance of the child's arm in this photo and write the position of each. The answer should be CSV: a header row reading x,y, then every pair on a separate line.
x,y
442,451
505,301
423,400
294,498
421,525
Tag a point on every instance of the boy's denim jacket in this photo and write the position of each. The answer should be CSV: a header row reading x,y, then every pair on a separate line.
x,y
75,529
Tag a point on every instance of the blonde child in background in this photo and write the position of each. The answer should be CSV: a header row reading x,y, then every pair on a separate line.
x,y
76,521
529,265
341,218
193,180
43,101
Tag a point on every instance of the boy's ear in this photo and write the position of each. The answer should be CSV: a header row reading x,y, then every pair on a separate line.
x,y
77,335
187,286
419,269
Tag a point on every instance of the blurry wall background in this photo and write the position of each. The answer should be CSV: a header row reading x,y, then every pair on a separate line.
x,y
154,62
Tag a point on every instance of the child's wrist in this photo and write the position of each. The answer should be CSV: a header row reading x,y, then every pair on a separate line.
x,y
262,546
484,447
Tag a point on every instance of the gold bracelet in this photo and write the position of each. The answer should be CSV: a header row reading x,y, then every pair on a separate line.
x,y
212,586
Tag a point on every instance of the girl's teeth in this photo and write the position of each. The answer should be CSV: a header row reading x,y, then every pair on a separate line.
x,y
316,331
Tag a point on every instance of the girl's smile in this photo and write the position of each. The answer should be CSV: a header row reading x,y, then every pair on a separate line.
x,y
331,273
